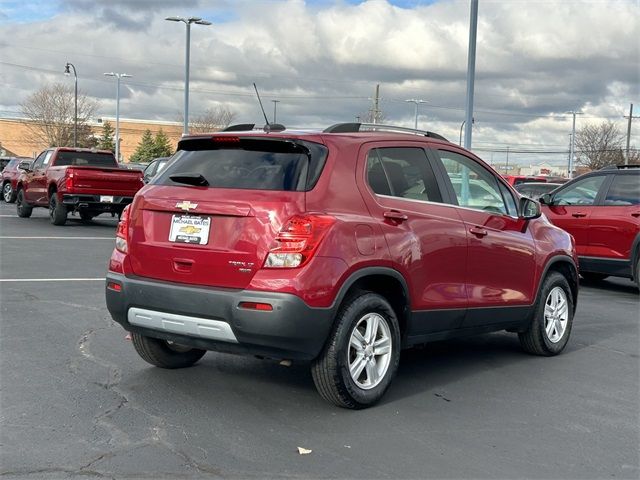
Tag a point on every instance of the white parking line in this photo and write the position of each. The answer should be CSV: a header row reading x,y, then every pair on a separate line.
x,y
57,238
102,279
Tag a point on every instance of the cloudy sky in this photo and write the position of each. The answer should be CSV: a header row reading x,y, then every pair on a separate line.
x,y
322,59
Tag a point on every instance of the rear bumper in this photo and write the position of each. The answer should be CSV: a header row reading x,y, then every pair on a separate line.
x,y
95,202
210,318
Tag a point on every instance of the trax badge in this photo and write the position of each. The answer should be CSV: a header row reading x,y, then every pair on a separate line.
x,y
186,205
190,230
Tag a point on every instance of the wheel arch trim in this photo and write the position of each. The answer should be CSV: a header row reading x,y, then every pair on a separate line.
x,y
554,260
370,272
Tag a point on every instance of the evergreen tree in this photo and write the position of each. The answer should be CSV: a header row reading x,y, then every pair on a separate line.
x,y
162,145
145,152
106,141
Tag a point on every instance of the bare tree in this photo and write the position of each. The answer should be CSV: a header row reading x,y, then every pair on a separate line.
x,y
599,145
211,120
51,114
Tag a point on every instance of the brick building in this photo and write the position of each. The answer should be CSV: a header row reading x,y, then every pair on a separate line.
x,y
16,139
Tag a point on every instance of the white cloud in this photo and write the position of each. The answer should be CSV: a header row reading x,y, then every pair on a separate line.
x,y
535,59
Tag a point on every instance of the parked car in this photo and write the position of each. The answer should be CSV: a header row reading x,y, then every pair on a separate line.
x,y
535,190
602,211
514,180
154,168
10,174
4,161
65,180
338,247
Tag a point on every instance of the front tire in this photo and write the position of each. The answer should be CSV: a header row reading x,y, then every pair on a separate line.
x,y
23,209
57,210
552,320
8,193
164,354
362,354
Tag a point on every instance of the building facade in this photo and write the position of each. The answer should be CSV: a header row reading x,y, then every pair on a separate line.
x,y
17,139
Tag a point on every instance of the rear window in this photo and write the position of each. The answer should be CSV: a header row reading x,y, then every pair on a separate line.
x,y
85,159
250,164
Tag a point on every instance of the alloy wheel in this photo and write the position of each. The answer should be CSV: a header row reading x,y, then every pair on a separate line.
x,y
369,352
556,314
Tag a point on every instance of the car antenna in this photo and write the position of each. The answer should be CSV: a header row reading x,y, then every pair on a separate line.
x,y
260,102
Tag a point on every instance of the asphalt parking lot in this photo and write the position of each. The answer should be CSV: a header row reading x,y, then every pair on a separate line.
x,y
77,401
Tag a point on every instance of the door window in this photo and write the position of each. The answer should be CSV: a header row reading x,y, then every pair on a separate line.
x,y
47,157
402,172
624,191
583,192
37,164
474,186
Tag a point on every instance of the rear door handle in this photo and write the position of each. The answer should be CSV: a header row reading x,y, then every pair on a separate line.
x,y
578,214
395,215
478,232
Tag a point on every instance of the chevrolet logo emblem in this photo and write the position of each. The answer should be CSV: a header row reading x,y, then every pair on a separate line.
x,y
190,229
186,205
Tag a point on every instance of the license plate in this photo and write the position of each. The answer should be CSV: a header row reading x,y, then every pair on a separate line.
x,y
106,198
190,229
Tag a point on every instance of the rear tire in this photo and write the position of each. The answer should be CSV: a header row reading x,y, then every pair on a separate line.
x,y
593,277
8,193
163,354
23,209
57,210
550,327
637,273
362,354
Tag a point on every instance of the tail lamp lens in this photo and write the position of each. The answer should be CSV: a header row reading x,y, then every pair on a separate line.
x,y
298,240
122,232
69,182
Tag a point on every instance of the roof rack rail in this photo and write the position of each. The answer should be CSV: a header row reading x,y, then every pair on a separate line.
x,y
364,127
620,167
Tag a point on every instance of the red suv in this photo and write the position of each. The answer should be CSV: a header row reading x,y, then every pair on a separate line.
x,y
602,211
339,247
10,175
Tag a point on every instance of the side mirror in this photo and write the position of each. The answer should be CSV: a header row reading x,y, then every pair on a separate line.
x,y
545,199
25,165
529,209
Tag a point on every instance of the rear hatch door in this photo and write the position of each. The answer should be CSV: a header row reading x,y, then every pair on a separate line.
x,y
211,216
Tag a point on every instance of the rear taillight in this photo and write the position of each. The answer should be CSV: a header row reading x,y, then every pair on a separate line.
x,y
122,232
68,183
298,240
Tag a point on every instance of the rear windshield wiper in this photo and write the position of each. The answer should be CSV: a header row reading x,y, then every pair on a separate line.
x,y
195,179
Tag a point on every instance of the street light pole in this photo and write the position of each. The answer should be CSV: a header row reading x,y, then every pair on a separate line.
x,y
416,102
75,115
471,73
187,21
573,142
275,111
118,77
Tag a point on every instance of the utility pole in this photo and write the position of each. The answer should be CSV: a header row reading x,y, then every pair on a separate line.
x,y
630,117
506,167
275,109
376,105
67,71
573,142
118,77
